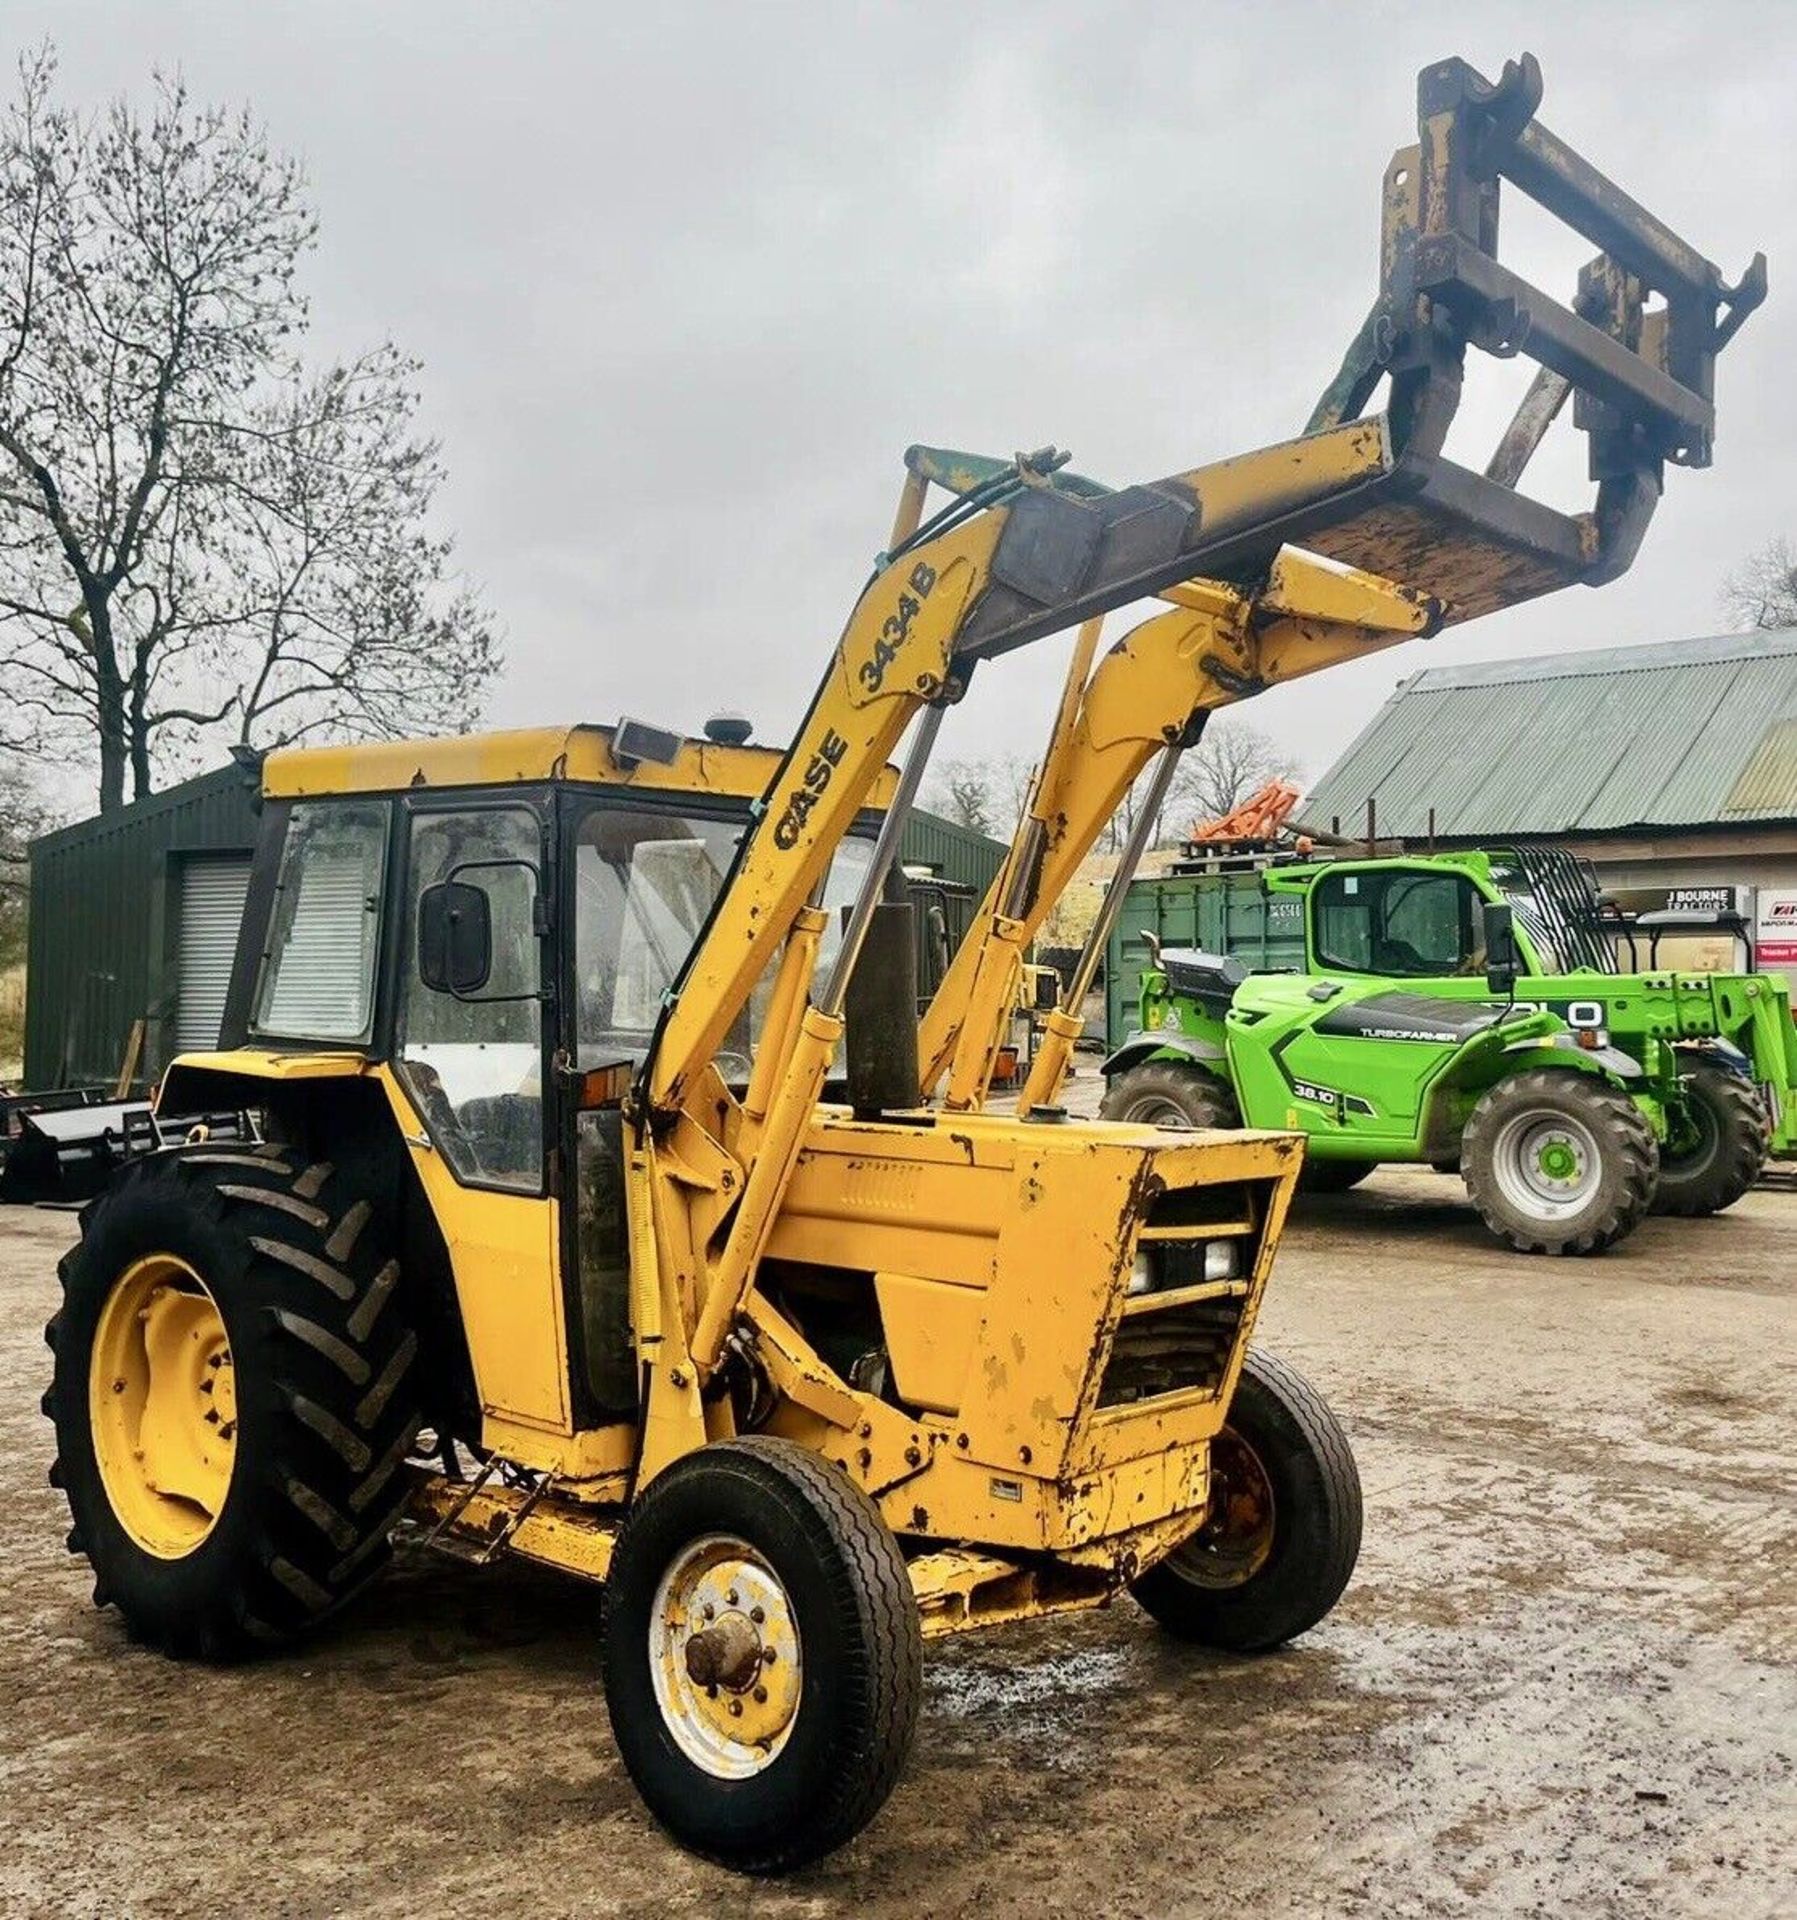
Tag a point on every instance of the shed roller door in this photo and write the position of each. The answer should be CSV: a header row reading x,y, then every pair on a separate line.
x,y
212,895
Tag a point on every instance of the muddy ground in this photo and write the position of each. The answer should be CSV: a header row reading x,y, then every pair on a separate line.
x,y
1563,1681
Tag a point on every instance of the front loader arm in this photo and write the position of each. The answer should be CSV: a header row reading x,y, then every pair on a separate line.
x,y
1037,561
1149,695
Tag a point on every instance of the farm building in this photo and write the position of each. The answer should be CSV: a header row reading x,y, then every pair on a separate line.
x,y
1668,766
134,915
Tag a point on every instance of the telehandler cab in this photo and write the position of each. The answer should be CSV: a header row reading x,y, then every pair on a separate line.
x,y
554,1235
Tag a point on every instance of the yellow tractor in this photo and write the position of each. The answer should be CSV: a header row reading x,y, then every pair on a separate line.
x,y
596,1215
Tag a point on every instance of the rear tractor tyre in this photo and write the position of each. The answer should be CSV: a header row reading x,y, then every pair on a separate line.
x,y
763,1654
1720,1142
1166,1093
1282,1531
232,1395
1559,1162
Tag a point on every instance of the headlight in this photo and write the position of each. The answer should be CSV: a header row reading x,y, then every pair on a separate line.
x,y
1141,1278
1222,1259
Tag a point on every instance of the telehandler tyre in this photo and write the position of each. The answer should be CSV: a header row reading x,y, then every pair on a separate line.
x,y
763,1656
1559,1161
1163,1093
1282,1532
1723,1151
232,1396
1333,1176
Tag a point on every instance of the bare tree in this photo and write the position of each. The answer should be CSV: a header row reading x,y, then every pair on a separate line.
x,y
1762,590
965,791
23,816
1234,759
197,537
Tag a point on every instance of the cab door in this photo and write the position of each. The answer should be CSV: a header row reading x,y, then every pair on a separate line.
x,y
472,1065
1400,957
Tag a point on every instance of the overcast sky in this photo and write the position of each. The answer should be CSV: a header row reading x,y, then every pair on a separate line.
x,y
687,279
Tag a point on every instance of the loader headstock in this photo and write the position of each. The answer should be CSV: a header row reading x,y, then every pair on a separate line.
x,y
1636,347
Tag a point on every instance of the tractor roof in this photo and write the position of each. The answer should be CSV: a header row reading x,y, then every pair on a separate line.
x,y
580,755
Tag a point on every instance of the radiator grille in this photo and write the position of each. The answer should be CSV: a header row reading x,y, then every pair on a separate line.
x,y
1172,1350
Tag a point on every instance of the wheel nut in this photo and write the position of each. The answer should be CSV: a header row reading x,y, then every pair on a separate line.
x,y
768,1656
736,1709
761,1696
730,1597
756,1614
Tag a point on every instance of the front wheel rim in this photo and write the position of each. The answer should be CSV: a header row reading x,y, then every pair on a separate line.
x,y
1547,1164
1236,1540
1156,1110
725,1657
162,1406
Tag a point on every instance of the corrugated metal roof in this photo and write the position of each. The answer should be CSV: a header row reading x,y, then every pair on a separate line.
x,y
1682,733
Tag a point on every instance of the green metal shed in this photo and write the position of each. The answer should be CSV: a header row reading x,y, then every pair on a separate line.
x,y
109,898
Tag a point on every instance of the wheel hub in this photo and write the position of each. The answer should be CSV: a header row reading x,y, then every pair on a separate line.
x,y
1547,1163
725,1657
1237,1535
162,1395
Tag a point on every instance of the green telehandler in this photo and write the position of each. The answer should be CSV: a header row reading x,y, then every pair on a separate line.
x,y
1465,1010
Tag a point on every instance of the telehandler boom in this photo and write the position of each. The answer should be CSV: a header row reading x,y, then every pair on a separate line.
x,y
554,1239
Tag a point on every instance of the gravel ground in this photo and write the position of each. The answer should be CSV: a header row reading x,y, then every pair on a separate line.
x,y
1564,1679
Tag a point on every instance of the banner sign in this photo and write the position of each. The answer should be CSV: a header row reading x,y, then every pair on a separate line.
x,y
1775,927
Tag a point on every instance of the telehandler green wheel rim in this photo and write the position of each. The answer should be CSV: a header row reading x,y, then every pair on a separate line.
x,y
724,1657
1547,1163
162,1403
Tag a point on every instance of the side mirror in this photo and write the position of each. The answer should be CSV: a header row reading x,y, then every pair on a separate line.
x,y
1503,963
455,938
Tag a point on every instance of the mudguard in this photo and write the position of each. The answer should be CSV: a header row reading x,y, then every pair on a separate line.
x,y
241,1078
1563,1050
1147,1046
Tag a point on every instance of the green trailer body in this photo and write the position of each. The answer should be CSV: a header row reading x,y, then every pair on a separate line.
x,y
1232,913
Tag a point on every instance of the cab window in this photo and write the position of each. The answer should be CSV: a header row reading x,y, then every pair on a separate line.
x,y
473,1064
317,978
1406,922
644,884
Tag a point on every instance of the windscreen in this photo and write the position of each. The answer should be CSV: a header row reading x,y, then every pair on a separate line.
x,y
644,882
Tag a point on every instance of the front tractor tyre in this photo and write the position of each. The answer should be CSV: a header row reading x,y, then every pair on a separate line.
x,y
1719,1135
232,1395
1281,1531
1559,1161
763,1654
1168,1093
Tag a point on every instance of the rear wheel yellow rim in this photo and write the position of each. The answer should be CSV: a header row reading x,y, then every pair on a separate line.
x,y
162,1397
